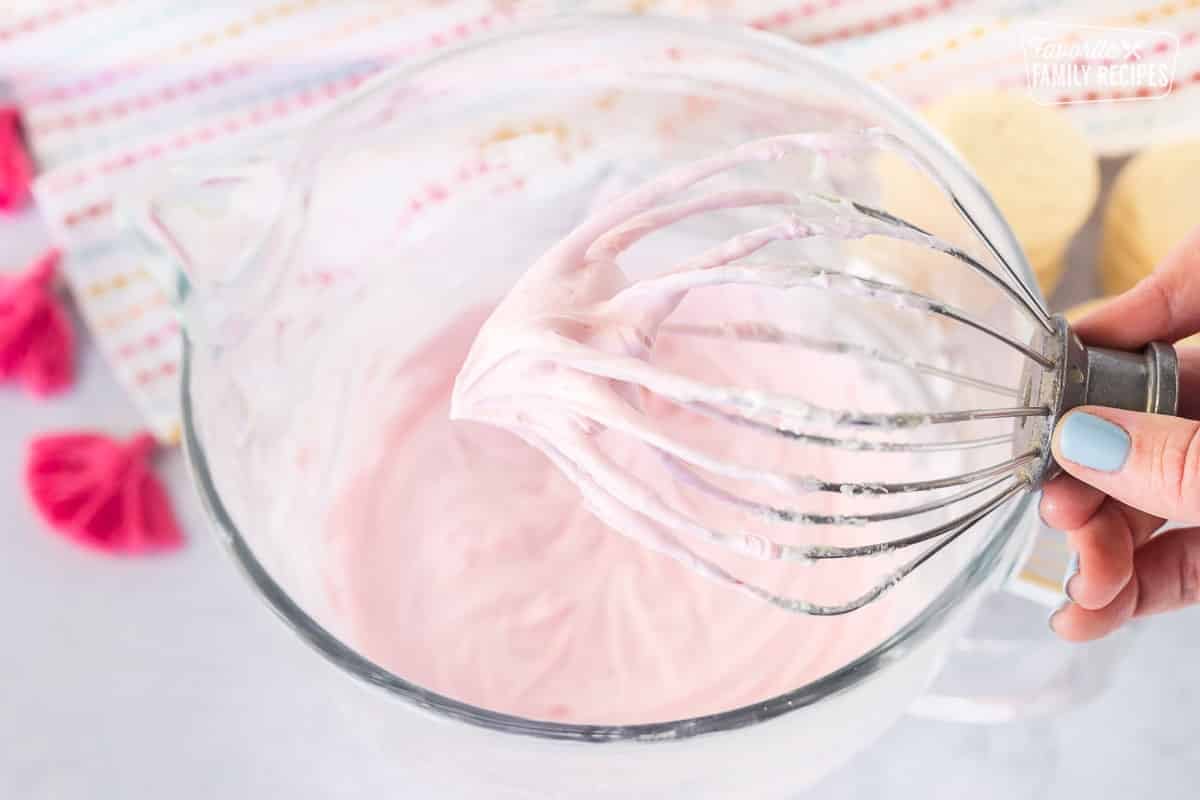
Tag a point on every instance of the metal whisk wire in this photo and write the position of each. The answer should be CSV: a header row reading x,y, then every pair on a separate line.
x,y
626,503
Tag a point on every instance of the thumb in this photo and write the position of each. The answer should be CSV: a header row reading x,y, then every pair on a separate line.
x,y
1148,461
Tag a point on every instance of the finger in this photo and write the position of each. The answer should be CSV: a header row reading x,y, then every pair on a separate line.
x,y
1163,307
1168,572
1142,525
1149,461
1105,545
1067,502
1189,380
1077,624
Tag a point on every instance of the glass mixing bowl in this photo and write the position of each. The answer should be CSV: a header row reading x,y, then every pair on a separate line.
x,y
468,138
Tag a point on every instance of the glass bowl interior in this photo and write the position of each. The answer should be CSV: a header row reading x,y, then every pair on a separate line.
x,y
560,124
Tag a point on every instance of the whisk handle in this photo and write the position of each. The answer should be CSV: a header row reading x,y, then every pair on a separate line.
x,y
1147,381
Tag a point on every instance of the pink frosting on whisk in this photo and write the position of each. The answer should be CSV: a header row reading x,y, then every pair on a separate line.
x,y
469,562
573,350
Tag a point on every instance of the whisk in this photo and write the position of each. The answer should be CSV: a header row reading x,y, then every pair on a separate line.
x,y
1060,373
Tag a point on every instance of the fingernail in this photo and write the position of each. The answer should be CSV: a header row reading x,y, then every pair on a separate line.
x,y
1055,615
1072,571
1093,442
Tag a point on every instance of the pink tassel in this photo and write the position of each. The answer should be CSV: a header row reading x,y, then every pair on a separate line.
x,y
101,493
37,342
16,167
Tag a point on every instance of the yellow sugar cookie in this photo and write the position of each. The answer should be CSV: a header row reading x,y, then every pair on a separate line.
x,y
1038,167
1153,206
909,194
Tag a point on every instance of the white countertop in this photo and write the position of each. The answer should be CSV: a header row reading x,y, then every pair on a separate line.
x,y
167,678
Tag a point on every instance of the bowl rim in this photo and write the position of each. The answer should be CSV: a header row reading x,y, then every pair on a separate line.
x,y
981,566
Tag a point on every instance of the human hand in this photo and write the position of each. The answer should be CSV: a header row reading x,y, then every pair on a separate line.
x,y
1127,473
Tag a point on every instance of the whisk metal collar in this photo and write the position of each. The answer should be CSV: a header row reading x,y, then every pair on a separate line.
x,y
1147,381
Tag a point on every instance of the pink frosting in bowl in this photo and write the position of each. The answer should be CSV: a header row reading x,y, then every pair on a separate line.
x,y
464,560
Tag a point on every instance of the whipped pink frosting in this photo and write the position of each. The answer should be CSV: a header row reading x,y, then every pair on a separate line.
x,y
468,562
570,359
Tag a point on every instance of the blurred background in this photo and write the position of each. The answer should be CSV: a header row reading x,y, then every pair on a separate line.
x,y
138,677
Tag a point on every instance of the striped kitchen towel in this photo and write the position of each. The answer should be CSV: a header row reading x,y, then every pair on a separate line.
x,y
111,88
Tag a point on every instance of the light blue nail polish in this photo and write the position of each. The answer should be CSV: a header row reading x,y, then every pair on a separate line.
x,y
1093,442
1072,571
